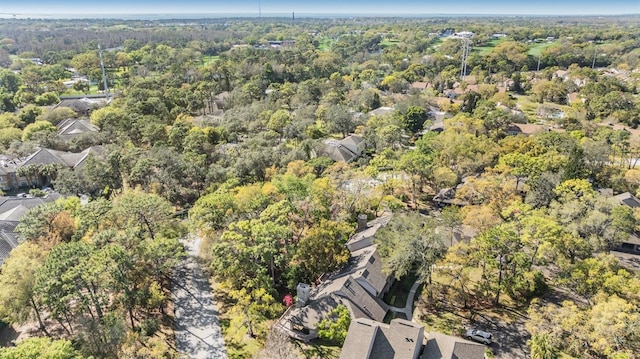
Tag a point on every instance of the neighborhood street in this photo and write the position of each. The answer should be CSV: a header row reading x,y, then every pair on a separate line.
x,y
197,329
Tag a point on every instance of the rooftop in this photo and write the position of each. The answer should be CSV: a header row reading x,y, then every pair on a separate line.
x,y
441,346
368,339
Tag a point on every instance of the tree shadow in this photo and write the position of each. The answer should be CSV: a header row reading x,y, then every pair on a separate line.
x,y
7,335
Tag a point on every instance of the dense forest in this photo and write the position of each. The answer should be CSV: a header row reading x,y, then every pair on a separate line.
x,y
219,128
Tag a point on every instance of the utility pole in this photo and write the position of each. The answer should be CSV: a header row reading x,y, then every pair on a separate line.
x,y
465,55
104,74
293,18
595,52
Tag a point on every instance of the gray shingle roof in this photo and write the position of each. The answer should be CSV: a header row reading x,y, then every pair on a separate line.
x,y
8,239
627,199
73,127
368,339
441,346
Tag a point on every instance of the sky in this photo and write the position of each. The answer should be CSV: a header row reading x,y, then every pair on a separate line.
x,y
318,7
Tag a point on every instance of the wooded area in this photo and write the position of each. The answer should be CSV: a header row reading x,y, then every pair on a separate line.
x,y
235,123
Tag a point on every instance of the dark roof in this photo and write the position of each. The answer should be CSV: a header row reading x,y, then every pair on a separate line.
x,y
82,105
368,339
372,228
73,127
8,239
46,156
627,199
338,152
352,140
441,346
11,203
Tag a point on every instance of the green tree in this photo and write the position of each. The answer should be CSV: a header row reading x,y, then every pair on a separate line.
x,y
145,211
322,249
29,113
41,348
335,326
9,136
18,301
278,121
541,347
414,119
39,126
409,243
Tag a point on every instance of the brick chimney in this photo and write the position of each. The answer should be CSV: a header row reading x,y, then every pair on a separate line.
x,y
362,222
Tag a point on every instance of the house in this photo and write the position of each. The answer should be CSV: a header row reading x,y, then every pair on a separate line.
x,y
440,346
359,286
12,209
45,156
9,178
381,111
630,244
8,239
366,231
83,105
627,199
368,339
346,150
527,129
402,339
71,128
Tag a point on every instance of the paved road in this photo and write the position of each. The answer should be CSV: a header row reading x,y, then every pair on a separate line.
x,y
197,330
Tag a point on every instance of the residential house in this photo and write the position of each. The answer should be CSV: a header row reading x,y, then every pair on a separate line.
x,y
9,178
381,111
368,339
527,129
403,339
632,243
346,150
83,105
11,211
45,156
359,286
71,128
440,346
366,231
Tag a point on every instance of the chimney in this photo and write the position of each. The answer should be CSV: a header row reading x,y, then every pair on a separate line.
x,y
362,222
303,293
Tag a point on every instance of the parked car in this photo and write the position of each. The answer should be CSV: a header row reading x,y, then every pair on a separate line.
x,y
480,336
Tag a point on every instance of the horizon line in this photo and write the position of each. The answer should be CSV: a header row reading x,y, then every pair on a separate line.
x,y
278,14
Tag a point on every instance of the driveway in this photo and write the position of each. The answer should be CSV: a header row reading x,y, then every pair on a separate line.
x,y
510,338
197,329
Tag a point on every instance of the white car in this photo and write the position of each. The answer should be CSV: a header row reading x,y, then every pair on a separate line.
x,y
480,336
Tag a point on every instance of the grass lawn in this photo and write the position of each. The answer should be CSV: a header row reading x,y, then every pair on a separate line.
x,y
325,44
536,49
206,60
392,315
92,91
389,42
397,295
319,349
444,322
486,50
